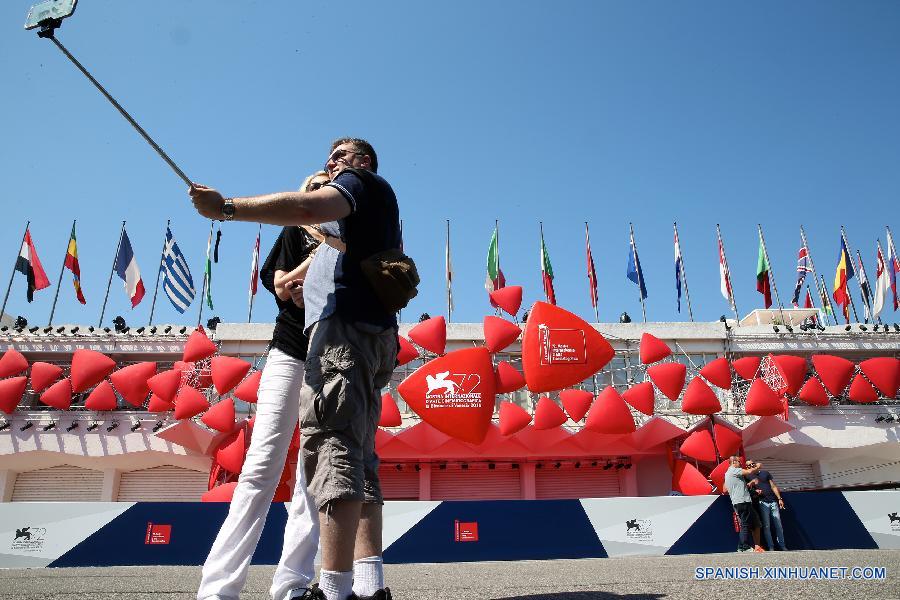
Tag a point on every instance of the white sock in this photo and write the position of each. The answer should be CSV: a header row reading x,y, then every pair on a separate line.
x,y
368,575
336,585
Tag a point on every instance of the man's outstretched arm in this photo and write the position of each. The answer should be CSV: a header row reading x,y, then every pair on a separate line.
x,y
283,208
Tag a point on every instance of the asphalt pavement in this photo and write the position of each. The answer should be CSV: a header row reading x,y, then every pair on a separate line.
x,y
635,578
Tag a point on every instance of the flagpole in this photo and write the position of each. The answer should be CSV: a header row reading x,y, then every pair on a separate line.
x,y
812,266
59,281
594,300
687,293
728,274
850,257
639,273
828,300
867,300
158,273
449,279
256,252
111,270
771,274
206,271
13,274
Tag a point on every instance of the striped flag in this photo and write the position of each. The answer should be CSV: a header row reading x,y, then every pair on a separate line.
x,y
803,267
808,303
495,279
254,271
762,274
127,270
864,285
177,281
208,273
449,269
842,275
71,263
547,272
882,283
679,269
893,267
633,271
591,272
29,265
724,273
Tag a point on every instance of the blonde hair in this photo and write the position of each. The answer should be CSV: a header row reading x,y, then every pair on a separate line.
x,y
309,179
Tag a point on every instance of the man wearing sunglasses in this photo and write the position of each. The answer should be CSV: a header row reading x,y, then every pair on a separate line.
x,y
351,356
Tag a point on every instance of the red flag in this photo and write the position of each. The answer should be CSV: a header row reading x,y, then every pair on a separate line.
x,y
591,273
547,272
29,265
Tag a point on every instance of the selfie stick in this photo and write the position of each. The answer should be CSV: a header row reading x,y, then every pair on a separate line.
x,y
46,31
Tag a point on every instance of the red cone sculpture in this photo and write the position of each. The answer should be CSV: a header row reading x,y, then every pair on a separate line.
x,y
431,334
653,349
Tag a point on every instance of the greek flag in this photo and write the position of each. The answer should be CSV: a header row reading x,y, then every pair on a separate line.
x,y
178,284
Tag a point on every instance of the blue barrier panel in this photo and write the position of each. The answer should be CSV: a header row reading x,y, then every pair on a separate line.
x,y
822,521
499,530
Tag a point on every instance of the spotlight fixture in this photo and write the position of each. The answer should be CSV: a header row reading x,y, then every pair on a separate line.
x,y
418,468
91,329
624,318
539,466
879,418
27,425
4,328
74,425
847,328
140,329
557,465
399,467
106,330
158,426
890,419
153,329
112,426
167,329
49,426
213,323
60,329
442,466
183,330
875,327
594,464
464,466
492,466
74,330
821,327
804,327
515,465
424,317
619,466
896,328
4,425
577,465
524,320
789,328
93,426
863,327
775,327
48,329
607,466
135,426
33,329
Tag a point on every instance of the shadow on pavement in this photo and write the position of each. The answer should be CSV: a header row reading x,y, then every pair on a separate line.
x,y
586,596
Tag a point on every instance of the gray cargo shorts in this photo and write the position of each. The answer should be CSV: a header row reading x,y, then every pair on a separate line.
x,y
347,365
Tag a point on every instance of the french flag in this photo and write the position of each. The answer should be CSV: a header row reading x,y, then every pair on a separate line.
x,y
128,271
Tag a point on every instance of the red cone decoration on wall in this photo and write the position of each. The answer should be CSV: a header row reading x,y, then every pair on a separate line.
x,y
747,367
42,375
454,393
198,346
548,414
508,378
688,480
390,414
221,416
102,398
717,475
513,418
861,391
89,368
499,333
793,370
699,445
669,378
431,334
834,371
718,373
508,298
227,372
813,393
407,352
884,372
189,403
728,441
232,450
165,385
762,401
653,349
131,382
609,414
248,390
576,403
12,363
11,392
58,395
560,349
220,493
641,397
699,399
158,405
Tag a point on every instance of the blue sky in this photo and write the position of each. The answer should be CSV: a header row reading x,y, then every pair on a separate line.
x,y
607,112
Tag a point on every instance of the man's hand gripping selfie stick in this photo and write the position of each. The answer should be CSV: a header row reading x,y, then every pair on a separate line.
x,y
47,29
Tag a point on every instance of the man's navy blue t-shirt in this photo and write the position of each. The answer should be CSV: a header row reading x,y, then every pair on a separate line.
x,y
372,226
765,485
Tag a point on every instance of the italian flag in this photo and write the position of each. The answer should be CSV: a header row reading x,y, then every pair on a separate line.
x,y
547,272
495,279
762,275
208,273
